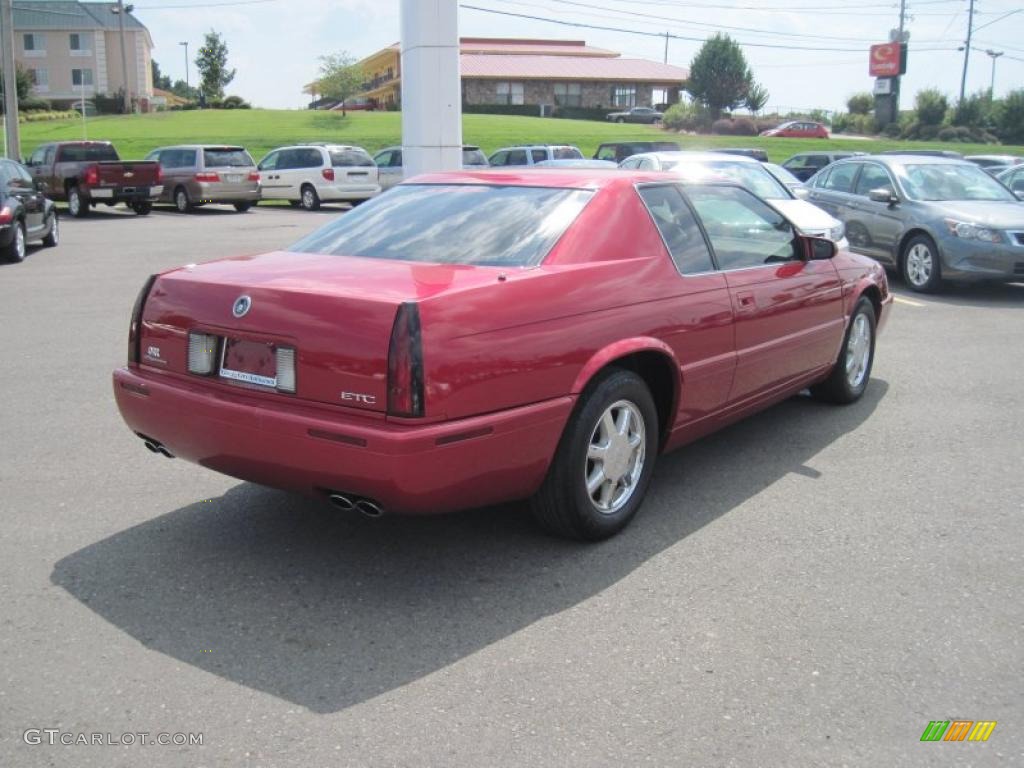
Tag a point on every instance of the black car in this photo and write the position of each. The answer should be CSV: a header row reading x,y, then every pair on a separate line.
x,y
617,151
25,213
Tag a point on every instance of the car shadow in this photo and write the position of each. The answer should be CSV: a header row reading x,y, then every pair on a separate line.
x,y
969,294
324,208
323,609
103,213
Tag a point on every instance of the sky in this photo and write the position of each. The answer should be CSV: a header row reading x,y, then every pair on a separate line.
x,y
274,44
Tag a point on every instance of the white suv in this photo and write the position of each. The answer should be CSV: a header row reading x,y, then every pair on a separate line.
x,y
310,174
533,154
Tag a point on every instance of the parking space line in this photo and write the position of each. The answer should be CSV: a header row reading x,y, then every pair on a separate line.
x,y
901,300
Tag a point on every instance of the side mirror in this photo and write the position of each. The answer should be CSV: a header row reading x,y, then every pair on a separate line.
x,y
883,195
819,248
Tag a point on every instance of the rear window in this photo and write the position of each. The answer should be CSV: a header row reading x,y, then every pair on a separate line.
x,y
453,224
566,153
89,153
226,157
473,157
347,158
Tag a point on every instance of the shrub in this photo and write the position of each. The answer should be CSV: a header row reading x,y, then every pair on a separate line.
x,y
723,127
860,104
973,111
744,126
1009,118
686,117
33,103
931,107
579,113
235,102
892,130
530,110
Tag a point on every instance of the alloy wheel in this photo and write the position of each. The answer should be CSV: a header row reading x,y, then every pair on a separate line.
x,y
858,351
919,264
615,457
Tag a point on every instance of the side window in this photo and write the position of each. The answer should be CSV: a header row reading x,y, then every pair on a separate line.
x,y
606,153
630,163
23,174
817,161
539,155
679,229
37,156
841,178
872,177
499,158
516,157
396,159
744,231
382,159
269,163
153,156
646,164
286,160
311,158
51,153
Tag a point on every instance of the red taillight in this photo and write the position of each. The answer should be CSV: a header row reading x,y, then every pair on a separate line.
x,y
254,176
405,363
207,176
6,215
328,173
159,174
92,176
135,328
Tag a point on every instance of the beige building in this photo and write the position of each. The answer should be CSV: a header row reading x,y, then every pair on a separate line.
x,y
73,49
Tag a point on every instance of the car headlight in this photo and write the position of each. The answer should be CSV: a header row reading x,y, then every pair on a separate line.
x,y
965,230
836,233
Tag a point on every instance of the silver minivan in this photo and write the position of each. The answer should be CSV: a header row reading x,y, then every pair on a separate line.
x,y
389,163
198,174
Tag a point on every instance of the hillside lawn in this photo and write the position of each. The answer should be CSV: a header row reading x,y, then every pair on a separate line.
x,y
260,130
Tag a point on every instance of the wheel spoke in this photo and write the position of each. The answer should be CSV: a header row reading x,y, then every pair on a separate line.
x,y
595,480
624,421
608,425
597,452
607,492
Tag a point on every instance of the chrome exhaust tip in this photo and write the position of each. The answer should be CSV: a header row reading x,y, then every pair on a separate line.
x,y
369,508
341,501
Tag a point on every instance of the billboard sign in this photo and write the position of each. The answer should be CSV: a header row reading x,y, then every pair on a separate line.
x,y
885,60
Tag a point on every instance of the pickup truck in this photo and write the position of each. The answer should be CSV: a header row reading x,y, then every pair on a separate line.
x,y
84,173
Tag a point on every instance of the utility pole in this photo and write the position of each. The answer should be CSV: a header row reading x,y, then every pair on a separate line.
x,y
666,47
992,85
185,43
967,51
13,141
120,11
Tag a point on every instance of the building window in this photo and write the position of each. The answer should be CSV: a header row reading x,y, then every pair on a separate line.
x,y
77,43
81,77
40,79
35,44
624,96
568,94
659,96
510,93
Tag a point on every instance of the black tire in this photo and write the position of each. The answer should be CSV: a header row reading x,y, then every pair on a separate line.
x,y
182,202
309,200
142,208
355,203
563,505
78,206
620,119
838,388
52,231
919,278
18,247
293,203
243,207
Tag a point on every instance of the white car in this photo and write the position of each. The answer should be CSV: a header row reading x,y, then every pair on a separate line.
x,y
534,153
389,163
311,174
752,175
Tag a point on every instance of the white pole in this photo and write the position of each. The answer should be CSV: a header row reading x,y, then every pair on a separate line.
x,y
85,125
431,89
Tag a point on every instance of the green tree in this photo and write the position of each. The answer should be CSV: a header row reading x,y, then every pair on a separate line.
x,y
340,77
974,111
161,81
719,76
181,88
757,97
931,107
23,83
212,63
1010,117
860,103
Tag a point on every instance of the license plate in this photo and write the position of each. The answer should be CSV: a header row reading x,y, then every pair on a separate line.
x,y
253,362
233,178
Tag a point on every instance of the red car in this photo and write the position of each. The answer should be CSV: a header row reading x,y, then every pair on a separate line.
x,y
799,129
473,338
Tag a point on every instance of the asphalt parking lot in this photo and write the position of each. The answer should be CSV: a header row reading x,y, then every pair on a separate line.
x,y
810,587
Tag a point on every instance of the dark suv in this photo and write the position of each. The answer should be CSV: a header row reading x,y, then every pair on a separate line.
x,y
806,164
617,151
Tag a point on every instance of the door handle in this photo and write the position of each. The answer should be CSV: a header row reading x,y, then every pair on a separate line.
x,y
746,300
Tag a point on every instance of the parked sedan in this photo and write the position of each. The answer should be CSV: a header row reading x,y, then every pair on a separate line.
x,y
644,115
310,174
198,174
798,129
748,172
25,213
803,165
389,163
1014,179
423,354
932,218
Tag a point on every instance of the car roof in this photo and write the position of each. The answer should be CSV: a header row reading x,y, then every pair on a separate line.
x,y
232,147
899,159
393,147
538,146
700,157
565,178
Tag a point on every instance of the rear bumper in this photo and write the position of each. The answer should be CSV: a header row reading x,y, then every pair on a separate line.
x,y
214,192
409,469
125,194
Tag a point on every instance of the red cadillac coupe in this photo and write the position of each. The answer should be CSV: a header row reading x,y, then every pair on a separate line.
x,y
472,338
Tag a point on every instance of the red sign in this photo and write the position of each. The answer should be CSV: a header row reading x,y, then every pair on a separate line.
x,y
885,60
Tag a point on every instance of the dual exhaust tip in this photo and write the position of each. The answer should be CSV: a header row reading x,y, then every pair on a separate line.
x,y
347,503
156,447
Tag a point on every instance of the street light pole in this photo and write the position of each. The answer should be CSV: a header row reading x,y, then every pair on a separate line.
x,y
992,86
120,11
12,139
967,51
185,43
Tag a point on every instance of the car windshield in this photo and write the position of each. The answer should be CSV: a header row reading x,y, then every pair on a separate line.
x,y
226,157
453,224
752,176
942,182
566,153
347,158
85,153
782,174
473,157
